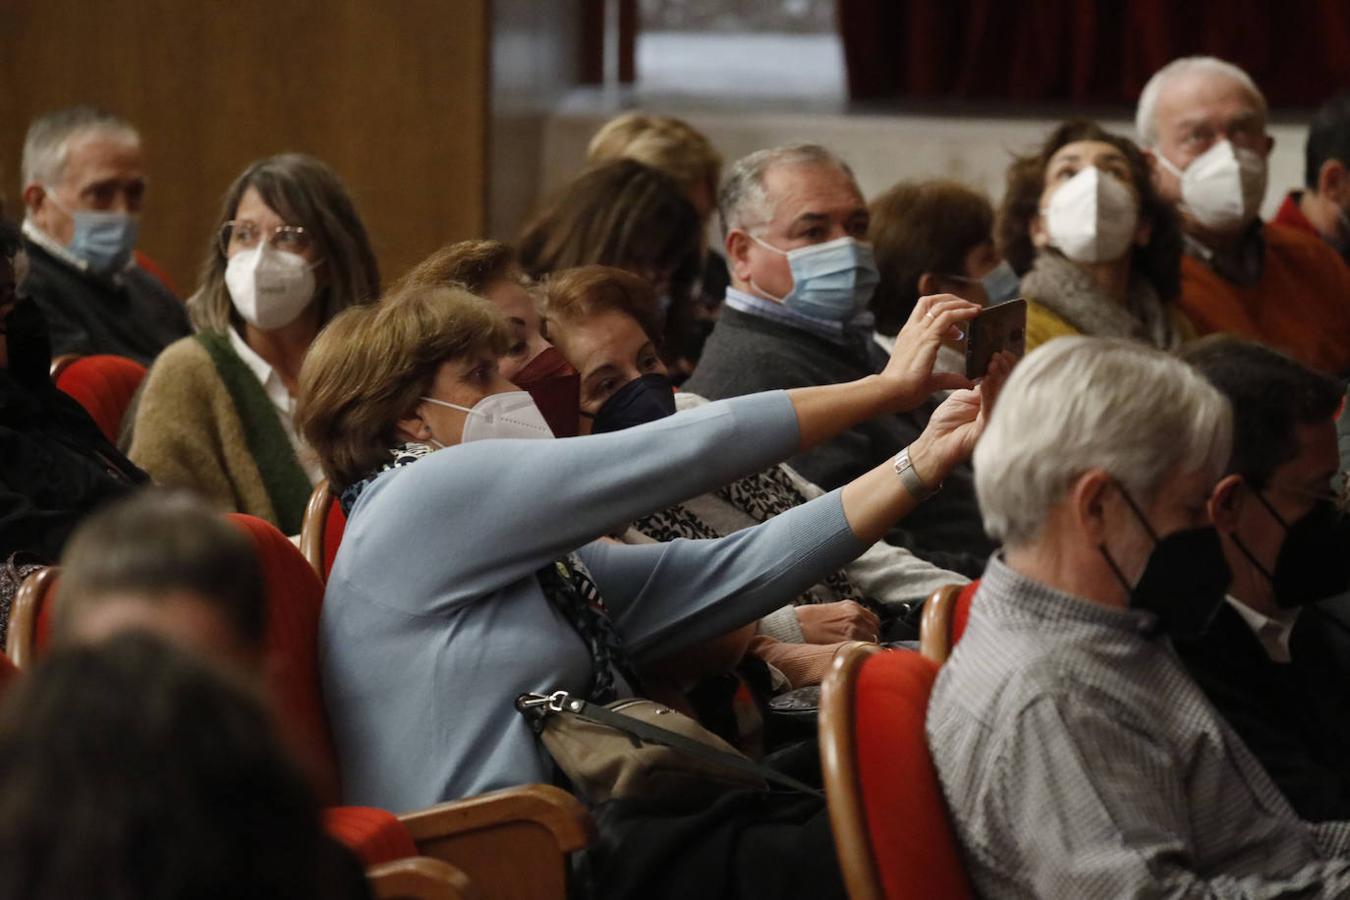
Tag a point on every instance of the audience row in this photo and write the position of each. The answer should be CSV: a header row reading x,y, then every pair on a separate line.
x,y
611,463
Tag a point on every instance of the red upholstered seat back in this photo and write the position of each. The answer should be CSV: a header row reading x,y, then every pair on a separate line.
x,y
961,612
104,386
294,597
333,527
912,841
375,835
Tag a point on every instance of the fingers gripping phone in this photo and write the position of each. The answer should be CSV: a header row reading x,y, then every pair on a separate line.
x,y
998,328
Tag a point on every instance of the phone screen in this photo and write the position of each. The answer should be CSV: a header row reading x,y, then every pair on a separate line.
x,y
998,328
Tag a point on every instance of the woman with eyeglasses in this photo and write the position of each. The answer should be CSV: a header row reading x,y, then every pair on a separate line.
x,y
288,253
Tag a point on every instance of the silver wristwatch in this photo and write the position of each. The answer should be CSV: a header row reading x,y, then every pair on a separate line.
x,y
910,479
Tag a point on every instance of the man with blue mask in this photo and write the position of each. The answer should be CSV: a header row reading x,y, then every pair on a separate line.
x,y
1202,122
83,184
802,275
1276,660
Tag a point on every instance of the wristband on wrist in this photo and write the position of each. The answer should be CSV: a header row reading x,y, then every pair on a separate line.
x,y
904,467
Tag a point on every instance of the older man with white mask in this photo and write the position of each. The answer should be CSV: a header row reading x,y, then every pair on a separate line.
x,y
802,274
1075,753
1203,121
83,185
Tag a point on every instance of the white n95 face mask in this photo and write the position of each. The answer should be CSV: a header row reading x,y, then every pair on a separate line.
x,y
1223,187
509,415
1091,217
269,288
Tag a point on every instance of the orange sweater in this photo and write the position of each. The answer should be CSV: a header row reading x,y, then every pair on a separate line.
x,y
1301,305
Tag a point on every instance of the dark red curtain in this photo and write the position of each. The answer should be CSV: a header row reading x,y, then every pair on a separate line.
x,y
1087,51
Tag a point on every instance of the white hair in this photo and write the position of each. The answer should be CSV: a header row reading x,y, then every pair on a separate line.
x,y
1083,403
1145,113
743,202
47,146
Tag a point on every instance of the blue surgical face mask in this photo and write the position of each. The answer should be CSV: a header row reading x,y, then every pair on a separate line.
x,y
832,281
1000,284
104,240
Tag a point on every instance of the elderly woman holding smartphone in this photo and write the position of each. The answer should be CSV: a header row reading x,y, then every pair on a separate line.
x,y
475,562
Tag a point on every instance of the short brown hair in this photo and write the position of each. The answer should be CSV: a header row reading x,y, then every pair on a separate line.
x,y
918,227
576,295
1159,260
367,368
305,192
474,264
157,543
665,143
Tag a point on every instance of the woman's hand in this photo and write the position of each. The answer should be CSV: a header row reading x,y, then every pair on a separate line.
x,y
830,623
957,424
909,376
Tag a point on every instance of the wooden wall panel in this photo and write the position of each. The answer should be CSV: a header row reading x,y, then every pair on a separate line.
x,y
391,93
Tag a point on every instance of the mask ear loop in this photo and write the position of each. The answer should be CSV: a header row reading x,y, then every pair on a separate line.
x,y
764,293
1242,548
1148,529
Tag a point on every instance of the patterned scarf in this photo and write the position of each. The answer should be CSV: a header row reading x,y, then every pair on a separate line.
x,y
566,583
400,455
570,589
1068,291
761,497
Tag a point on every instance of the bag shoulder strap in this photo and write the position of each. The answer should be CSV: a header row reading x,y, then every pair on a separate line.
x,y
540,706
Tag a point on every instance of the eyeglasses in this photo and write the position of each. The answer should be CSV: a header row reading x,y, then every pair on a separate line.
x,y
237,235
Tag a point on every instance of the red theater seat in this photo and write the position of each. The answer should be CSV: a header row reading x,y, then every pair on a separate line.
x,y
321,530
889,819
102,384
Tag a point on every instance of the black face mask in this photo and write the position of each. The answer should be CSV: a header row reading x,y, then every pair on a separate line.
x,y
638,402
1184,580
1314,560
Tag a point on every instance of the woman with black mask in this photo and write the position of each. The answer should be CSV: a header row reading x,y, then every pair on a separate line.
x,y
605,323
57,466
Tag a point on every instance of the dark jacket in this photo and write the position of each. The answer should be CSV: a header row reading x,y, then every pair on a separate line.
x,y
55,464
87,313
747,354
1294,717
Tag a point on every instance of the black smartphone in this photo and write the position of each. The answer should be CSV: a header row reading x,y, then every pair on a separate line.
x,y
998,328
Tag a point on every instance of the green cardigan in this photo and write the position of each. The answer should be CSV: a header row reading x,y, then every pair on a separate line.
x,y
205,423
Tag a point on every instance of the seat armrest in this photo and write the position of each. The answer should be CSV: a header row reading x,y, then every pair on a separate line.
x,y
420,878
512,843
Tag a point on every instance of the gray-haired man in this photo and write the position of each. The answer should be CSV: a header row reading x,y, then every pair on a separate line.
x,y
1076,754
795,315
83,183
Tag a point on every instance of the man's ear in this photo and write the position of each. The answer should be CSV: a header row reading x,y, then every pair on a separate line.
x,y
1089,495
1333,182
33,195
738,254
1226,502
929,284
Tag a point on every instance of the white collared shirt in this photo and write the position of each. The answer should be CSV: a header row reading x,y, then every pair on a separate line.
x,y
276,392
1273,633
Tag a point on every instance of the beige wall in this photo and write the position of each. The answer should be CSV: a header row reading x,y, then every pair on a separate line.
x,y
391,93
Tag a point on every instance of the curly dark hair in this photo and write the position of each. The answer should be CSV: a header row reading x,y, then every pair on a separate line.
x,y
1159,260
128,769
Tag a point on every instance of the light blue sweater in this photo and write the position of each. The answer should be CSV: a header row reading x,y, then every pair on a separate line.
x,y
433,621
